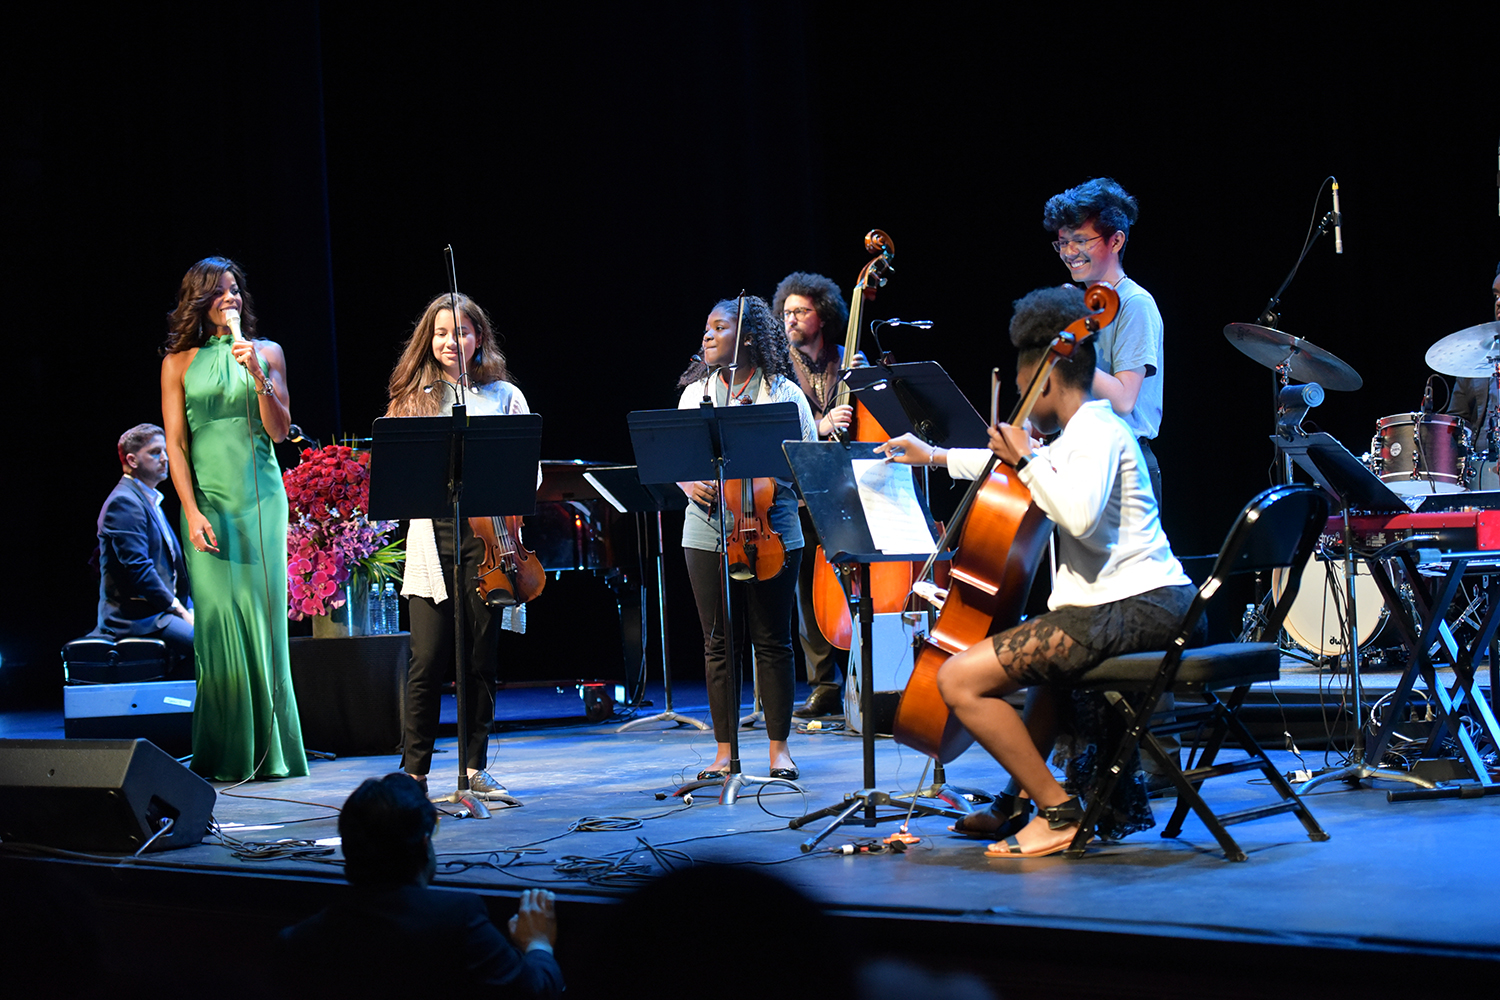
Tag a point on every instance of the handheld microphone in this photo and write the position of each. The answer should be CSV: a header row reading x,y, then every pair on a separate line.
x,y
1338,218
232,317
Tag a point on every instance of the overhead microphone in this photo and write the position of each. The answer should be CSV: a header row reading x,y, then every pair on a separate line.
x,y
1338,228
920,324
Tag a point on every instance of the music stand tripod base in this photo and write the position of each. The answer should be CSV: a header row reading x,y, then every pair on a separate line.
x,y
867,799
732,785
825,476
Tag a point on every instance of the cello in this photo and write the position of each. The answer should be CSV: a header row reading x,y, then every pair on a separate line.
x,y
890,582
753,549
1001,537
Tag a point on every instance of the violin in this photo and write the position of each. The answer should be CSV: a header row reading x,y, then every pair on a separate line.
x,y
890,582
510,574
754,551
1002,536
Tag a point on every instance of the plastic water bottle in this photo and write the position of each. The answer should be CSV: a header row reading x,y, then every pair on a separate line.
x,y
391,606
373,610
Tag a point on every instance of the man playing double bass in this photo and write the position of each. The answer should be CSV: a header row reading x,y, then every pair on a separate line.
x,y
811,306
1118,589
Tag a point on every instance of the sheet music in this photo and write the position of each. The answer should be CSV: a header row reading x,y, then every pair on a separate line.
x,y
889,496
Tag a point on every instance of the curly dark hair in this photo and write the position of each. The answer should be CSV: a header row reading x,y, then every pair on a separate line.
x,y
199,289
822,292
418,367
1039,317
1100,201
770,351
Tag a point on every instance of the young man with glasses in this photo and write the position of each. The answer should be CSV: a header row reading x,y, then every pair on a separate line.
x,y
1092,222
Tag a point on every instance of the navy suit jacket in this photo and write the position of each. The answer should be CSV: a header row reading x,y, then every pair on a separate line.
x,y
140,572
405,941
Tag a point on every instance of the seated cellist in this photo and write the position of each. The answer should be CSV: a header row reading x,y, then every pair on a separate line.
x,y
1118,589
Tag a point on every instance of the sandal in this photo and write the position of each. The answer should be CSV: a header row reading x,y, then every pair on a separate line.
x,y
1069,813
1058,817
1012,811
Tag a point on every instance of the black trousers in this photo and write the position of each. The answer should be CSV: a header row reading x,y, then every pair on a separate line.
x,y
432,660
762,622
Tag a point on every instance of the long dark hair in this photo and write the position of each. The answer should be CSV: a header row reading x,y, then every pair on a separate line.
x,y
770,351
418,368
199,289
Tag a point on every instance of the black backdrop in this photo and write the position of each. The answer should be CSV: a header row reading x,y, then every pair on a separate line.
x,y
606,176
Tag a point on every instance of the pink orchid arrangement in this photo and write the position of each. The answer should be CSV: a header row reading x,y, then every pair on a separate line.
x,y
328,536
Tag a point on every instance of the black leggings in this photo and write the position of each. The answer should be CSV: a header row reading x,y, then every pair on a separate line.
x,y
763,619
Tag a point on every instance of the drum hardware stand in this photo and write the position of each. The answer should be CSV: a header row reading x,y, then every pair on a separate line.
x,y
1338,472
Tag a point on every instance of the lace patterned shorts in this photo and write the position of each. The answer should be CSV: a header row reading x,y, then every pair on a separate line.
x,y
1132,625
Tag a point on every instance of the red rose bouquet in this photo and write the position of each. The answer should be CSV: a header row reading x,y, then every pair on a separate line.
x,y
328,536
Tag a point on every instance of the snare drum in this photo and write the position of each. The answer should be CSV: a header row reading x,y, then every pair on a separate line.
x,y
1417,453
1313,622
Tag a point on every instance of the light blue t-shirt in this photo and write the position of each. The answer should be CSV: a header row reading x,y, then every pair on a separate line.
x,y
1134,340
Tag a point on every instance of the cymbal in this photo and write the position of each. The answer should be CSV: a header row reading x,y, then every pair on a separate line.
x,y
1305,361
1470,353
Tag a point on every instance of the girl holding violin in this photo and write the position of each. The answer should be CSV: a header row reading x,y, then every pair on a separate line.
x,y
424,383
1118,589
749,363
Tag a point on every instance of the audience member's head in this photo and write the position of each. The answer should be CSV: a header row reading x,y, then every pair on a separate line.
x,y
387,826
728,906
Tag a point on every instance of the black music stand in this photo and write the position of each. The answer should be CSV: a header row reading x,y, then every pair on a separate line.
x,y
717,442
427,467
622,488
1355,487
825,476
919,397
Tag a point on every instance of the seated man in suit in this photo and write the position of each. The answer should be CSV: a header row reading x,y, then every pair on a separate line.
x,y
392,935
143,582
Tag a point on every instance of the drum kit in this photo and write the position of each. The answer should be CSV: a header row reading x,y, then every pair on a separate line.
x,y
1415,454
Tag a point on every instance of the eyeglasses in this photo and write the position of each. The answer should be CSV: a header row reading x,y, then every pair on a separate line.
x,y
797,313
1068,246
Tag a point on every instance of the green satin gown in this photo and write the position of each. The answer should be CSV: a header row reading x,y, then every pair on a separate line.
x,y
245,719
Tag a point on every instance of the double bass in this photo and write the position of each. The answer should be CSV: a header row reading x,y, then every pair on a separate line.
x,y
1001,538
890,582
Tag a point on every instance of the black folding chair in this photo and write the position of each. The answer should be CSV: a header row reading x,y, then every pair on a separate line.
x,y
1278,529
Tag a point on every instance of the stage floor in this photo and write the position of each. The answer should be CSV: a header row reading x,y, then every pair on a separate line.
x,y
1413,879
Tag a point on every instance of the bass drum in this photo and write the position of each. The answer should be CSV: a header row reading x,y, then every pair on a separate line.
x,y
1314,622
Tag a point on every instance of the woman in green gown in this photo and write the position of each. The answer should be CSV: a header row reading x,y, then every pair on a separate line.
x,y
224,401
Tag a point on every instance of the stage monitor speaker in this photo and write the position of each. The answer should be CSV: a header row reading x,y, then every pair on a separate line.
x,y
99,795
